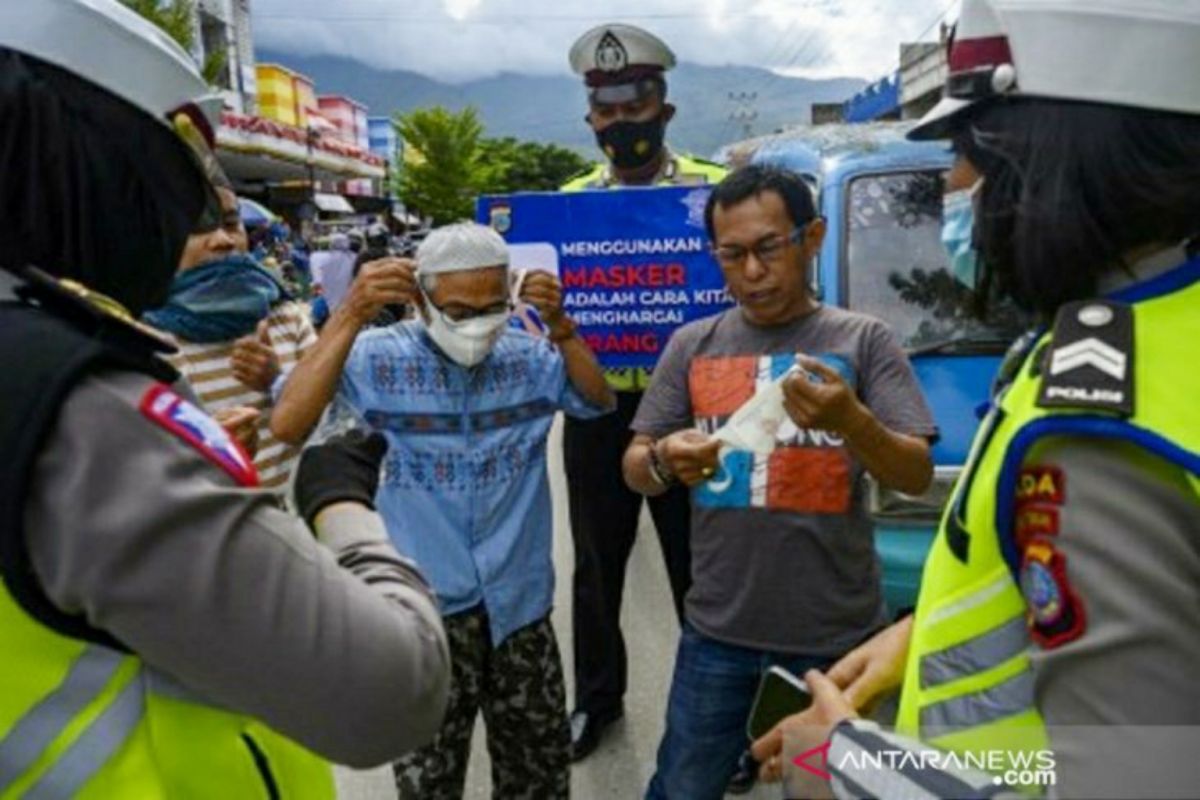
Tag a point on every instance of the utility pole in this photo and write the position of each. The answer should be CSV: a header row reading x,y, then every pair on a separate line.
x,y
745,113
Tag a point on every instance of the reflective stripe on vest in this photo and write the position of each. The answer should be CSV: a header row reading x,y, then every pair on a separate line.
x,y
85,681
968,684
1006,699
996,646
92,750
681,171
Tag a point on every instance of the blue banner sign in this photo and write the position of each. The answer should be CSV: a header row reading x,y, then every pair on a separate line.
x,y
634,263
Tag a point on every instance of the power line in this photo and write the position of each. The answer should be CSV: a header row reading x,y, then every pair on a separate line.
x,y
803,47
939,18
506,20
777,48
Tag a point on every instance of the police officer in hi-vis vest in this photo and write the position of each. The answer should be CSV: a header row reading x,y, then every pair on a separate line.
x,y
167,630
623,69
1058,625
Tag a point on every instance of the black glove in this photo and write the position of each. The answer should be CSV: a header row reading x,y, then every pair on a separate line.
x,y
345,468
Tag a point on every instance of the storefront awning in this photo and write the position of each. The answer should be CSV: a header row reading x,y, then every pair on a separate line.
x,y
253,149
333,203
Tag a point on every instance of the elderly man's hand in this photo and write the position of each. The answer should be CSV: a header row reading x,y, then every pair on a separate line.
x,y
800,733
253,359
388,281
543,291
828,405
691,456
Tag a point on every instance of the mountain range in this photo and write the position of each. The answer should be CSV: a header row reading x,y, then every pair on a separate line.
x,y
550,108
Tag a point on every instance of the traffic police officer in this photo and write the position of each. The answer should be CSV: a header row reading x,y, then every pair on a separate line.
x,y
167,630
623,69
1058,622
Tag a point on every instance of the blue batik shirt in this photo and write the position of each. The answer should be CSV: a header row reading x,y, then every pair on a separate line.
x,y
464,489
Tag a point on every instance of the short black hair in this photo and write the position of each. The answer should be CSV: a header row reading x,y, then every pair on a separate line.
x,y
754,179
1070,189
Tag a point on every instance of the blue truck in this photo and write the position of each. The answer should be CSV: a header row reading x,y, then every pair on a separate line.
x,y
881,196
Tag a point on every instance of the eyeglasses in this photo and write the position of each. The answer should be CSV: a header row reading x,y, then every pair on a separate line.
x,y
460,313
767,251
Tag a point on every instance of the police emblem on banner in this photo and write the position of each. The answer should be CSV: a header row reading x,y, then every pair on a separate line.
x,y
500,217
611,55
695,201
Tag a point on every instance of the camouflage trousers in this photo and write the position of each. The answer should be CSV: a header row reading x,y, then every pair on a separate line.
x,y
519,689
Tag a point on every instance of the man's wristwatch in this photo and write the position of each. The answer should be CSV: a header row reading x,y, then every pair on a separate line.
x,y
658,470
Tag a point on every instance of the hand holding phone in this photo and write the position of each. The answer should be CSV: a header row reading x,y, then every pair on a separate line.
x,y
780,695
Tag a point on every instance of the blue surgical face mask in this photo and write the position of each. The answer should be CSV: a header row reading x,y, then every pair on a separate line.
x,y
958,227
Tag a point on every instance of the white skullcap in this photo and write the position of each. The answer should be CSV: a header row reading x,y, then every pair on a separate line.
x,y
339,241
461,247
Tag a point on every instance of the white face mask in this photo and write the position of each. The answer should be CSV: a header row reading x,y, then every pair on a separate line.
x,y
467,342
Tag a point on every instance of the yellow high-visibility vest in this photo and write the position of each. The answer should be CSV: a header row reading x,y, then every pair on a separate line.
x,y
82,720
968,685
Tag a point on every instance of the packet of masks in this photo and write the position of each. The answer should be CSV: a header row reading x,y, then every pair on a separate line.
x,y
755,426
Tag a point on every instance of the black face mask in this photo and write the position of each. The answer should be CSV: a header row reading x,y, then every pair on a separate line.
x,y
630,145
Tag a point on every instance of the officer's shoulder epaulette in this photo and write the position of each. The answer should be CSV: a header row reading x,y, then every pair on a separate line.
x,y
1089,361
91,312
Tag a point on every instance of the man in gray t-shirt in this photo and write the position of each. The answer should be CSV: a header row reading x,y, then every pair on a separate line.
x,y
783,562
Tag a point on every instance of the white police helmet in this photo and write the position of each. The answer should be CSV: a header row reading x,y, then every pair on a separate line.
x,y
620,62
116,49
1134,53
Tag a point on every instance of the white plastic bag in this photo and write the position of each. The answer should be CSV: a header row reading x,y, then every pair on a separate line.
x,y
755,426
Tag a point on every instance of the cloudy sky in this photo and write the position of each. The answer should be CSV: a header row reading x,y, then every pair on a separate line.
x,y
459,40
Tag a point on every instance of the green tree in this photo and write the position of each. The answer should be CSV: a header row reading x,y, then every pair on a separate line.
x,y
529,166
177,18
445,169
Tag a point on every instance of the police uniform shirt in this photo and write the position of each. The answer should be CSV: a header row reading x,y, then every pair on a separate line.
x,y
215,586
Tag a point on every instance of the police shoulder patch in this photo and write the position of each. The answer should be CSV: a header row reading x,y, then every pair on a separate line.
x,y
162,406
1089,363
1038,483
1035,520
1055,614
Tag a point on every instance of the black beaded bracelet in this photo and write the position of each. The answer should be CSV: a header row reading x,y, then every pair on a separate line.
x,y
658,471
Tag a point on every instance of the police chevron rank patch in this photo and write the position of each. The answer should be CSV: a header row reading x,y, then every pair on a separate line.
x,y
187,421
1089,363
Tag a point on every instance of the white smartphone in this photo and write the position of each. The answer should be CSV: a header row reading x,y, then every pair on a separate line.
x,y
780,694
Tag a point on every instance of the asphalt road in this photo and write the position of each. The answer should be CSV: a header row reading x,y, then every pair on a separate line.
x,y
624,762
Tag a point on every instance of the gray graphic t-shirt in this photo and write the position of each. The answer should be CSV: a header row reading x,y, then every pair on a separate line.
x,y
783,557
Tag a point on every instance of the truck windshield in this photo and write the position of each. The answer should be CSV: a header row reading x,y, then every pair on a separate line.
x,y
897,269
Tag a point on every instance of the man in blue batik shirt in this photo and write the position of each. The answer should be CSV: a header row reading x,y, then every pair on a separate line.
x,y
466,404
